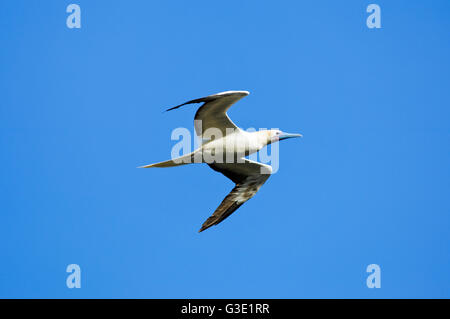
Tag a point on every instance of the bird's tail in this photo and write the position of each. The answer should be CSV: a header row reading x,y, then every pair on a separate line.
x,y
182,160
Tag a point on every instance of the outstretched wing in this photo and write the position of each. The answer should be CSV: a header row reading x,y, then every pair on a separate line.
x,y
249,176
213,112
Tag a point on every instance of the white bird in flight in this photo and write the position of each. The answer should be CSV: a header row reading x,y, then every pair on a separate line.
x,y
225,153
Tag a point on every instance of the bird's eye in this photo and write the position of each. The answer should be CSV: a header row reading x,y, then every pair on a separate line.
x,y
278,133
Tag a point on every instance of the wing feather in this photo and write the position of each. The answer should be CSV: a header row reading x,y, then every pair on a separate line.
x,y
248,176
213,112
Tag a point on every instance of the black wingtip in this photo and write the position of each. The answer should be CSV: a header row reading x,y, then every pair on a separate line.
x,y
205,227
173,108
201,100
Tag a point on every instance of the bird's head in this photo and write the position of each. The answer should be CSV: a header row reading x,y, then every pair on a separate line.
x,y
277,135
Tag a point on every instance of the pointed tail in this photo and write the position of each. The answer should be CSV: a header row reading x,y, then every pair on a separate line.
x,y
182,160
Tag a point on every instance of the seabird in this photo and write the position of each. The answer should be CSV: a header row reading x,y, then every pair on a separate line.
x,y
225,153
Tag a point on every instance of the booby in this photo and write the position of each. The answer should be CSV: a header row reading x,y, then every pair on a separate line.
x,y
225,153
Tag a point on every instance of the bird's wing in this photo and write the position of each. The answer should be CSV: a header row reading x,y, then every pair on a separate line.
x,y
249,176
213,112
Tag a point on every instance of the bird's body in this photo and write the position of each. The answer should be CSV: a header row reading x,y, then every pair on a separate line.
x,y
237,143
224,149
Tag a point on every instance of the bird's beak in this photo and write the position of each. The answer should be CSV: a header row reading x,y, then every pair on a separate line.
x,y
284,136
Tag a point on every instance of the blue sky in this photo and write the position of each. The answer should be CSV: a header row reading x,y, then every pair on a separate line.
x,y
80,109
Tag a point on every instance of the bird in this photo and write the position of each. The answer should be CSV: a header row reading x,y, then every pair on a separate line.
x,y
224,148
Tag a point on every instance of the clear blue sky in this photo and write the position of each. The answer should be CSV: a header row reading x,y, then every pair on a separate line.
x,y
368,183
